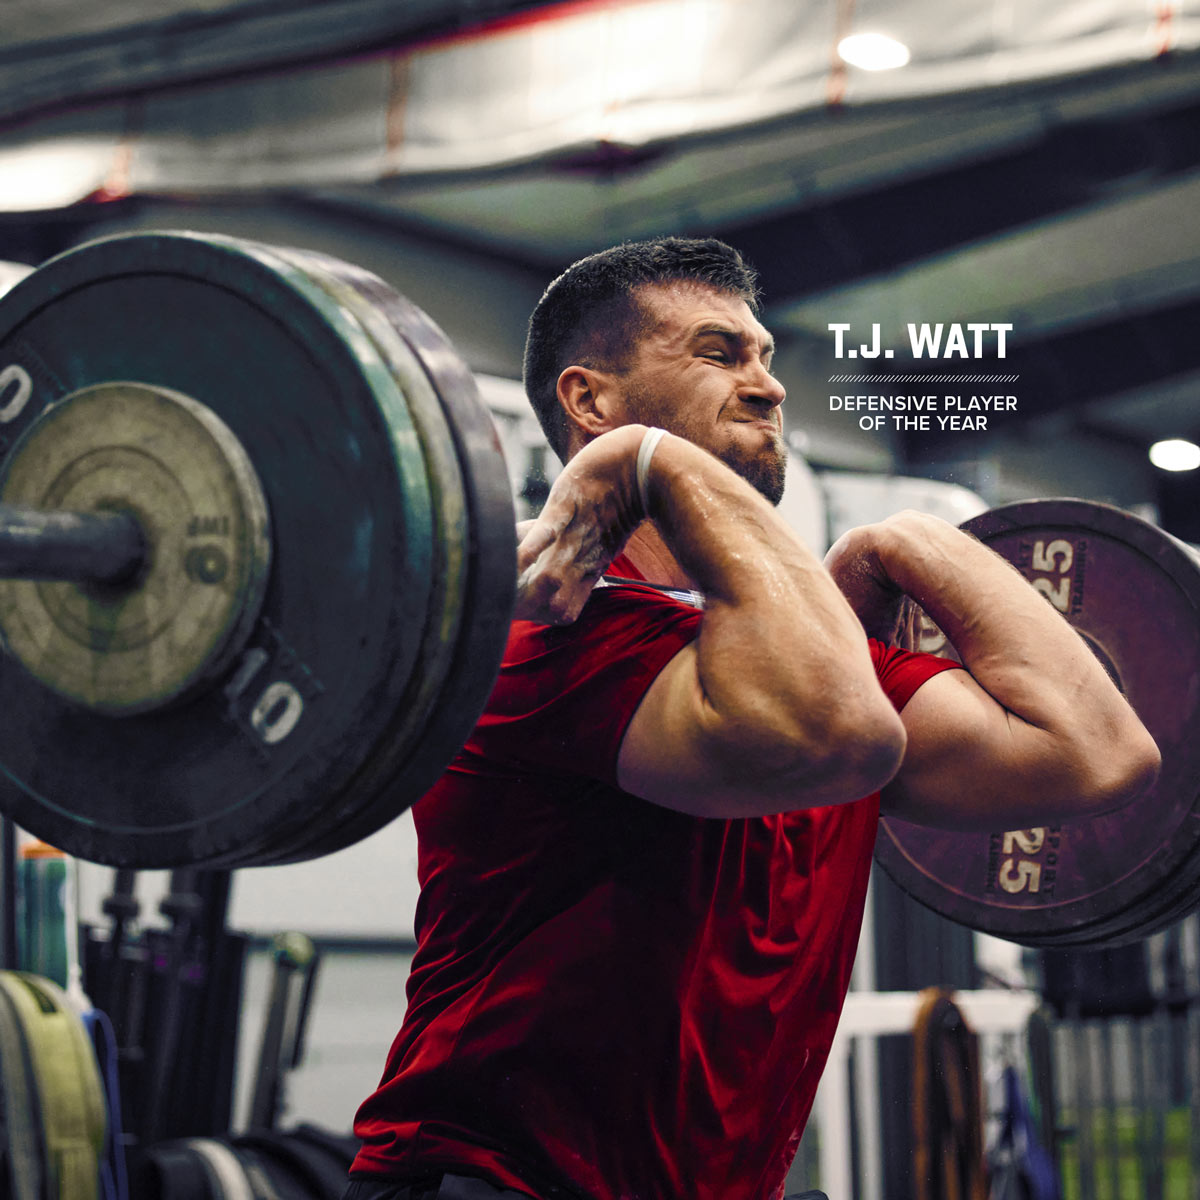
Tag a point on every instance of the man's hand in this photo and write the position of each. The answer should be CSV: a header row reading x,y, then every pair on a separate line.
x,y
877,601
592,509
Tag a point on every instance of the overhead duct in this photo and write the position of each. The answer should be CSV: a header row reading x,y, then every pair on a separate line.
x,y
587,83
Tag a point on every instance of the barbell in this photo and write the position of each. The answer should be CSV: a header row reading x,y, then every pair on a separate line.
x,y
257,568
321,575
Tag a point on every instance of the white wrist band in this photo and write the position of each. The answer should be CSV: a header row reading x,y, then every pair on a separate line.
x,y
650,440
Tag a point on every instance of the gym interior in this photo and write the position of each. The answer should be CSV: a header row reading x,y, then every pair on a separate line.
x,y
975,227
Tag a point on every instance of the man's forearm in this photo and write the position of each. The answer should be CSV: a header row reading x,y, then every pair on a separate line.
x,y
781,655
1016,646
776,703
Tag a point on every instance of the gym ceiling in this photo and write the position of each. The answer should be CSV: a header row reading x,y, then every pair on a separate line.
x,y
1059,185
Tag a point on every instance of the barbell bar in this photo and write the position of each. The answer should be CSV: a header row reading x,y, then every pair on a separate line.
x,y
99,548
307,537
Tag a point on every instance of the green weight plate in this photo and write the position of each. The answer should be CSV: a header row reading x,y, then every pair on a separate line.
x,y
475,551
364,806
315,687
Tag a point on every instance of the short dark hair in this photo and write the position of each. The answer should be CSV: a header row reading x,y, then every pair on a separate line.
x,y
591,315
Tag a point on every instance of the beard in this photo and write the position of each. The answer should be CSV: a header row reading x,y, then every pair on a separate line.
x,y
765,471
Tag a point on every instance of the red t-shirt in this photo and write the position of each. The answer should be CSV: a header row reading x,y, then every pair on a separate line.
x,y
611,999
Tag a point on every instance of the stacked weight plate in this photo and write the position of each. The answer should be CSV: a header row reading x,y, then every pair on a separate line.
x,y
472,576
51,1094
352,671
1133,593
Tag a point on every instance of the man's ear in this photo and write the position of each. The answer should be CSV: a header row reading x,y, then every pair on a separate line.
x,y
592,404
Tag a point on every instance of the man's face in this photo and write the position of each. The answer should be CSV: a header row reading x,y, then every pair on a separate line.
x,y
701,370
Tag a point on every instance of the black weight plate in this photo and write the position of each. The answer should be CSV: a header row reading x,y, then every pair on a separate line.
x,y
360,806
472,502
304,706
1133,593
472,584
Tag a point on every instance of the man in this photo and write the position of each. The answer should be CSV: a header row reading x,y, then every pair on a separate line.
x,y
643,877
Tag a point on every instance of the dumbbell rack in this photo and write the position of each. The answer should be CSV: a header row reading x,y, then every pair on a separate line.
x,y
173,996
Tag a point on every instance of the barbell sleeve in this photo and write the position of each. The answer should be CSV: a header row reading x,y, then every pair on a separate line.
x,y
91,547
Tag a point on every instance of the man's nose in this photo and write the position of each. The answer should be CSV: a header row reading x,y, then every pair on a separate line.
x,y
765,388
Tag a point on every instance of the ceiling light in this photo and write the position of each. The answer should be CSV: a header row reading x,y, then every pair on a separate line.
x,y
872,51
52,174
1175,455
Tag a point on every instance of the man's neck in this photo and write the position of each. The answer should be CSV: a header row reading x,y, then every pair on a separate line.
x,y
648,552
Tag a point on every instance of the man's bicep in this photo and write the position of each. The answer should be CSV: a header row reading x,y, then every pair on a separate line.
x,y
681,752
663,756
970,763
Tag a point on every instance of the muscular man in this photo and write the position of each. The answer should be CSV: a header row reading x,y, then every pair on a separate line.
x,y
643,877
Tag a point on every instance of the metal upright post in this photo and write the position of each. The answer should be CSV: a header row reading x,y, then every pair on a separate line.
x,y
8,894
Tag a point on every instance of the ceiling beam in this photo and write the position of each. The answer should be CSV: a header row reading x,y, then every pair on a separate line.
x,y
838,241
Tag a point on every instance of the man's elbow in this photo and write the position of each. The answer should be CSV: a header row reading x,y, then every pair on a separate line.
x,y
881,753
805,760
855,752
1121,773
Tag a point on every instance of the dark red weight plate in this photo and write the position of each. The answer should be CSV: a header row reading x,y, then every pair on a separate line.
x,y
1133,593
249,763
